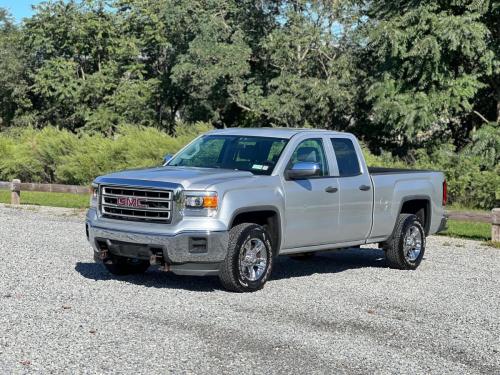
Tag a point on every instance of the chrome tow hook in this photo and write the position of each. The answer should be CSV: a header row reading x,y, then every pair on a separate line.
x,y
103,254
156,258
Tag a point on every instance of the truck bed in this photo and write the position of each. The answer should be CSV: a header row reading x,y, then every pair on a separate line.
x,y
393,186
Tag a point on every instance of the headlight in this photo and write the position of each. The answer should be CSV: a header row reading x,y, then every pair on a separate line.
x,y
200,203
94,194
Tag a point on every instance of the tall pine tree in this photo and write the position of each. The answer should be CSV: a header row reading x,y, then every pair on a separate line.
x,y
431,63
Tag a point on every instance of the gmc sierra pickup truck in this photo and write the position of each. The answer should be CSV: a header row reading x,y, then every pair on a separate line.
x,y
233,200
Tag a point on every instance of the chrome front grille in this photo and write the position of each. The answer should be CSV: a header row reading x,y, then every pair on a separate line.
x,y
136,204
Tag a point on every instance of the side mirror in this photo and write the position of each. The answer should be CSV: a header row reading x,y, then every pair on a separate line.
x,y
304,169
167,158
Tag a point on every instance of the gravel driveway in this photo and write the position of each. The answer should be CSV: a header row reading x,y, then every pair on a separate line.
x,y
340,312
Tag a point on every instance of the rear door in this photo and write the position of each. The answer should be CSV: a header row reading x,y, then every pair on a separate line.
x,y
312,205
355,190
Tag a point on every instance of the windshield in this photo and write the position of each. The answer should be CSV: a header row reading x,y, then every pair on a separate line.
x,y
258,155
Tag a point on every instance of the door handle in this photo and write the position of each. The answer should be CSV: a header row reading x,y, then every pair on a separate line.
x,y
331,189
365,187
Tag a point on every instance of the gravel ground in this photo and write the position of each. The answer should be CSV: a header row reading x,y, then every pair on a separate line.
x,y
341,312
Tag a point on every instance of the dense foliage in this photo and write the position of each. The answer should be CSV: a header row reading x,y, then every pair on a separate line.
x,y
55,155
417,81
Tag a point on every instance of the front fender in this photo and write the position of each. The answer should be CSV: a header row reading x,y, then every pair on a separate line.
x,y
252,199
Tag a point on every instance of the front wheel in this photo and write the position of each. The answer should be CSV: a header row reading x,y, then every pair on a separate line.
x,y
249,259
405,249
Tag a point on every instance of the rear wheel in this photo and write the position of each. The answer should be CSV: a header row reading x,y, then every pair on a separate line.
x,y
126,266
249,259
406,247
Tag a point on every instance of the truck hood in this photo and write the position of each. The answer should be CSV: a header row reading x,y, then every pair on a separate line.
x,y
189,178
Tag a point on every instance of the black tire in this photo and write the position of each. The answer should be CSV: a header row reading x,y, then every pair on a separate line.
x,y
230,275
126,266
397,254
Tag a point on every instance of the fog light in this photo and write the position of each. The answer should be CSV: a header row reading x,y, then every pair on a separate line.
x,y
198,245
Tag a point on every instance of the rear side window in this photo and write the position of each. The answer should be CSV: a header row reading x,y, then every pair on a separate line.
x,y
347,158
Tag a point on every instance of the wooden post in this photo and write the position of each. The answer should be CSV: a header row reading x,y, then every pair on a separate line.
x,y
495,225
15,195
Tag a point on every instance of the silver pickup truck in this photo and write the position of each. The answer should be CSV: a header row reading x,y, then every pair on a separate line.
x,y
232,200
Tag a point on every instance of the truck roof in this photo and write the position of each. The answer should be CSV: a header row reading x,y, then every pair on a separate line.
x,y
270,132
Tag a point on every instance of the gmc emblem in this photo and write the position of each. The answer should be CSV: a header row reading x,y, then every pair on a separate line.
x,y
130,202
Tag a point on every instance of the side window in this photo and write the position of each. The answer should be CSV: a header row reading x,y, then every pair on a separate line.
x,y
347,158
310,150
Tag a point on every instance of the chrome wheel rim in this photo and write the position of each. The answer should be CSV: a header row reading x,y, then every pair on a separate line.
x,y
253,259
412,243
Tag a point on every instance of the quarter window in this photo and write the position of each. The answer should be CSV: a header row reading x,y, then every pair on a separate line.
x,y
347,158
310,150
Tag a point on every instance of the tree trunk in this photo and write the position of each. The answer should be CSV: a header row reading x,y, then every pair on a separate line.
x,y
497,97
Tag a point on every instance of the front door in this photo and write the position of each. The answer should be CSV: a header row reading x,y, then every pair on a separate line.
x,y
312,204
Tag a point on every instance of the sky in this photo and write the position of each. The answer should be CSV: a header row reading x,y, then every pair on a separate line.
x,y
19,8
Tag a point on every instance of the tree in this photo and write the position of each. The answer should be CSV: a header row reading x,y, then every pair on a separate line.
x,y
491,105
13,86
431,60
312,70
202,53
214,69
83,65
399,74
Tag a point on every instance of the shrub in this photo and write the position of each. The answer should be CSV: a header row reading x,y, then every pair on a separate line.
x,y
19,160
57,156
131,147
470,184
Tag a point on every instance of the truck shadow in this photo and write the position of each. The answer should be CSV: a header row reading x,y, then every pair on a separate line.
x,y
333,261
330,262
153,278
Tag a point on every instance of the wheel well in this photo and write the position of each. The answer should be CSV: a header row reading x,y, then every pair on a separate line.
x,y
268,219
420,208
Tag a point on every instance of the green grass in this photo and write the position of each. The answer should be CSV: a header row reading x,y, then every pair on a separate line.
x,y
468,229
49,199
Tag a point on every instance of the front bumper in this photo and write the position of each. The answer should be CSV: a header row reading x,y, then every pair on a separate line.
x,y
184,252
